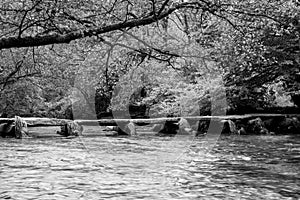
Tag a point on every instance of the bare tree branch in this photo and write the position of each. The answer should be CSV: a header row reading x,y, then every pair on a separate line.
x,y
163,7
55,38
151,47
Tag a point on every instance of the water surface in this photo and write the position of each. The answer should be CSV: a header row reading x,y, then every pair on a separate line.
x,y
150,167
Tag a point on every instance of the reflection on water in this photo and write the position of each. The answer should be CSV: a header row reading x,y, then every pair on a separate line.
x,y
148,167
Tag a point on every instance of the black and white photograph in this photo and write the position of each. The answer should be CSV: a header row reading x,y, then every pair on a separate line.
x,y
149,99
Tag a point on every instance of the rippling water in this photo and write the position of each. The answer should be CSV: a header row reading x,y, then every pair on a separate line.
x,y
150,167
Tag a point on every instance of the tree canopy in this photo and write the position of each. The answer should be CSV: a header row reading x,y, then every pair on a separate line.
x,y
50,47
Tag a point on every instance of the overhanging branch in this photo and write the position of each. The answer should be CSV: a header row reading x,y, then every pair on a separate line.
x,y
42,40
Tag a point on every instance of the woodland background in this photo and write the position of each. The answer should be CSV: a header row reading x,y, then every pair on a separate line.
x,y
86,59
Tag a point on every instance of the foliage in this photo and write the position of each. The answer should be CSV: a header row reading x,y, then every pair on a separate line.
x,y
102,55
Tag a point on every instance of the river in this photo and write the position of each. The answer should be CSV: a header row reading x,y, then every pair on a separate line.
x,y
150,167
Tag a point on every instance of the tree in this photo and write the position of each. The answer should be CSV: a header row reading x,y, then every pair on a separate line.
x,y
267,54
109,38
37,23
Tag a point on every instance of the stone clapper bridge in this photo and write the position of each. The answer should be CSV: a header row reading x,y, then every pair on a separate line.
x,y
236,124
